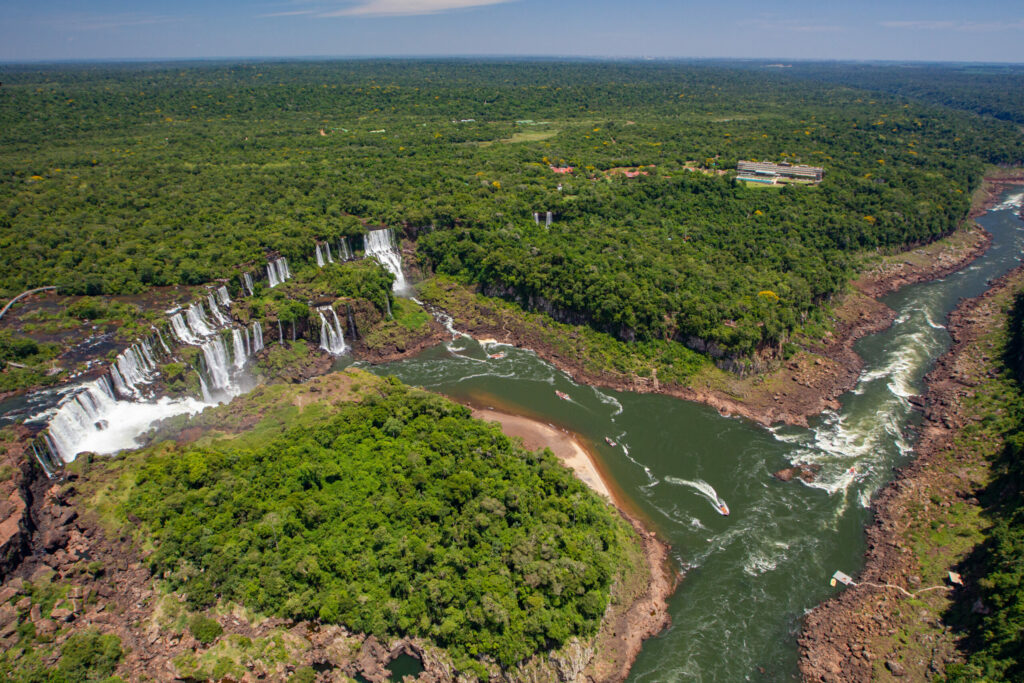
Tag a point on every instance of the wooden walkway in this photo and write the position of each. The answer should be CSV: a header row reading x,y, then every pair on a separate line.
x,y
22,295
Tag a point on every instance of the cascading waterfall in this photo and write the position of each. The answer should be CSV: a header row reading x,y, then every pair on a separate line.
x,y
387,306
247,283
182,332
547,220
162,342
216,355
345,253
215,309
327,246
280,333
381,246
238,347
319,257
536,217
223,297
351,323
332,340
277,271
257,337
207,398
131,367
197,320
93,419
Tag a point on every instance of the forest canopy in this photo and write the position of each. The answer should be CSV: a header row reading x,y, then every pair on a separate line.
x,y
120,178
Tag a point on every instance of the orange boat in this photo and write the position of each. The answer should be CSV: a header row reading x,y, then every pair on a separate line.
x,y
496,356
722,508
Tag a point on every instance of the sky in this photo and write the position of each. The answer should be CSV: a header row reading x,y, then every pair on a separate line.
x,y
919,30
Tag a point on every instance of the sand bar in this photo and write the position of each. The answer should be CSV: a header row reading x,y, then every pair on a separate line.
x,y
539,435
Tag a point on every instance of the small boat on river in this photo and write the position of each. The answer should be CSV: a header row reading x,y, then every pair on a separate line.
x,y
496,356
562,395
610,442
722,508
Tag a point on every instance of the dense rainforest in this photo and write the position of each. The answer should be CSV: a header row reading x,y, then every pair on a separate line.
x,y
394,514
120,178
995,635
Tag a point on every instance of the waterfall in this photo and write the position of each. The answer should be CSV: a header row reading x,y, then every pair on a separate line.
x,y
280,332
327,246
181,330
319,257
162,342
332,340
380,245
351,323
536,218
344,251
215,309
131,367
248,344
197,320
238,347
93,419
387,305
277,271
293,330
247,283
119,385
547,220
257,337
222,296
147,353
204,389
216,355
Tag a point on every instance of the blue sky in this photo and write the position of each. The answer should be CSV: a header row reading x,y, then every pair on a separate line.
x,y
933,30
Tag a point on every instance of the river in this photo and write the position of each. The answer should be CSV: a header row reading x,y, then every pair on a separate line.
x,y
751,576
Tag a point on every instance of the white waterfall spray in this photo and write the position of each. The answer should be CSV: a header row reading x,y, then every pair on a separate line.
x,y
548,219
247,283
132,367
332,340
197,320
257,337
93,419
327,246
215,310
280,333
223,297
238,348
319,257
380,245
216,355
277,271
344,252
160,336
181,330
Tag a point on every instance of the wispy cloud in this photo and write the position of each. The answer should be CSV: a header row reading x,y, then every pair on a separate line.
x,y
962,26
292,13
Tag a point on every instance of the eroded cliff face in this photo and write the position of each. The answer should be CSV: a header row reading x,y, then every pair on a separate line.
x,y
15,498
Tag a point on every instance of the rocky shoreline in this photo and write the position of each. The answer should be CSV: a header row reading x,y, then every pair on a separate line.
x,y
798,389
837,640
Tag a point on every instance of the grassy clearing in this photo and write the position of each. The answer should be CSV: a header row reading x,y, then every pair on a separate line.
x,y
523,136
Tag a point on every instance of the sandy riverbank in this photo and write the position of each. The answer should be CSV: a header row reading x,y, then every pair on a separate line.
x,y
644,612
536,435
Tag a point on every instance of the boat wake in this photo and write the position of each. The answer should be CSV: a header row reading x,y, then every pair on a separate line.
x,y
704,489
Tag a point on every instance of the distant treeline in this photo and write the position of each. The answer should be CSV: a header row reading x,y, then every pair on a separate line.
x,y
119,178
